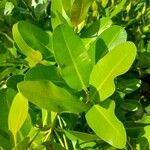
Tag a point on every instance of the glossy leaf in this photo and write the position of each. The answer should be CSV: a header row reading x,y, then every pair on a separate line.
x,y
102,118
17,114
79,11
47,95
115,63
26,36
107,40
72,57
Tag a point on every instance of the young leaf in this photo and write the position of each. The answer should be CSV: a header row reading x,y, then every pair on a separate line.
x,y
106,125
34,58
115,63
18,113
72,57
47,95
79,11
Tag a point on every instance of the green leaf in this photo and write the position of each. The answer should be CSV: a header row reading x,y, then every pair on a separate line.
x,y
17,113
23,145
128,85
13,80
8,8
96,28
25,129
104,2
115,63
58,14
118,8
107,40
47,95
144,139
42,72
130,105
6,96
72,57
79,11
67,4
26,36
105,124
80,136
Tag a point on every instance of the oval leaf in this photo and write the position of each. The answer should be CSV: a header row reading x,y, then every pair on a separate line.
x,y
72,57
47,95
115,63
105,124
18,113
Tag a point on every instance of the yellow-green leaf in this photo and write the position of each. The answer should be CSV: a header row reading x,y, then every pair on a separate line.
x,y
17,113
105,124
115,63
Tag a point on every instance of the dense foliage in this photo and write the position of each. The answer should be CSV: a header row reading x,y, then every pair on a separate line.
x,y
74,74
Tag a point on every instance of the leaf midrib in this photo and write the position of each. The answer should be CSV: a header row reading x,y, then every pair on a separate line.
x,y
106,118
73,62
110,73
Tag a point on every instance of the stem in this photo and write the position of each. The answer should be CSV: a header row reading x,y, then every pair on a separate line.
x,y
34,137
87,96
9,38
48,135
131,148
15,140
59,139
64,138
